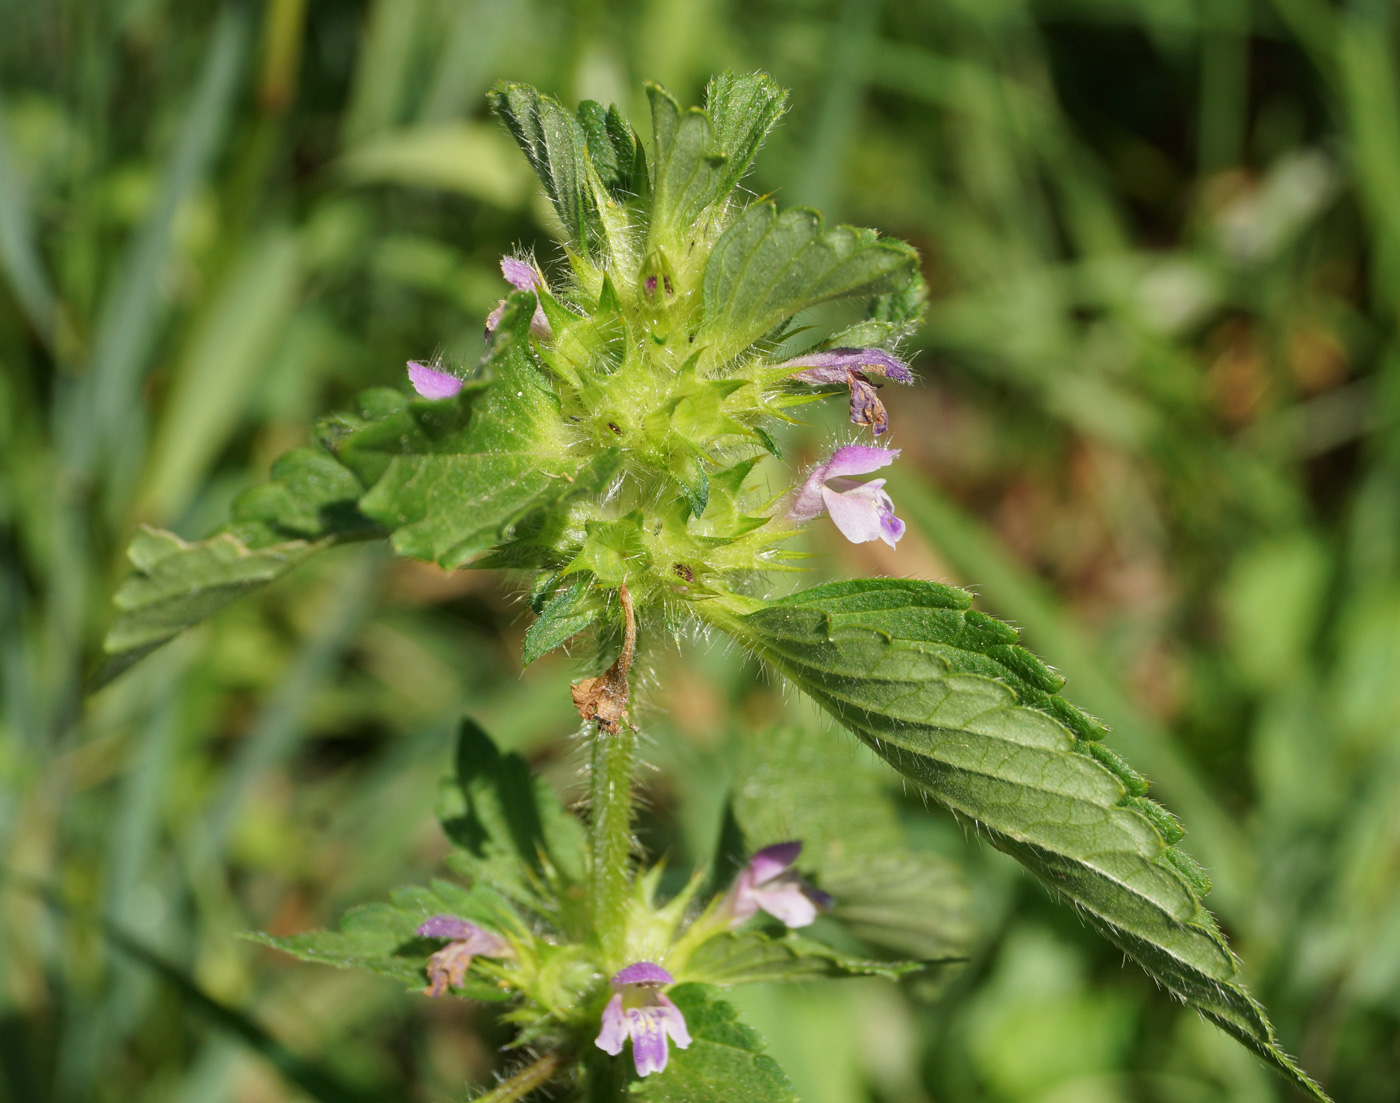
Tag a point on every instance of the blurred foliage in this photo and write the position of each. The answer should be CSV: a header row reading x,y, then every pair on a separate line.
x,y
1157,430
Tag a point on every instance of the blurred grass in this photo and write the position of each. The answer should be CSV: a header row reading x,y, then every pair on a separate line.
x,y
1157,429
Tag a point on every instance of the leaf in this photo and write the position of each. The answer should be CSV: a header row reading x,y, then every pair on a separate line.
x,y
753,957
612,147
725,1061
383,937
559,621
468,470
509,828
793,785
942,693
688,173
554,143
308,505
742,110
176,584
767,267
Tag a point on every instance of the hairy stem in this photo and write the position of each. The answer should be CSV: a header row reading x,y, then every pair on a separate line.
x,y
525,1081
610,801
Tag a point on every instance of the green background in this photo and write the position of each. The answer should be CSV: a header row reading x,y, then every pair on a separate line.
x,y
1156,429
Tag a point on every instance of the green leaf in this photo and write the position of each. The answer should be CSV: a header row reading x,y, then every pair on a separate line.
x,y
383,937
753,957
559,621
688,173
724,1063
767,267
742,110
554,143
836,800
509,829
176,584
943,694
612,146
468,470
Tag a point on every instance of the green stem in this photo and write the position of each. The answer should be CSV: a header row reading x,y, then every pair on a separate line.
x,y
525,1081
610,800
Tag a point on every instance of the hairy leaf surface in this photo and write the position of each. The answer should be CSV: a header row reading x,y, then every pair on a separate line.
x,y
753,957
725,1061
793,784
383,937
944,695
766,267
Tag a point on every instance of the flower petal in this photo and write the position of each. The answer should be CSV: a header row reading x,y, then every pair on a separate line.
x,y
831,365
448,968
773,860
858,459
857,515
647,1026
446,926
614,1031
643,972
789,903
866,407
674,1021
431,383
520,274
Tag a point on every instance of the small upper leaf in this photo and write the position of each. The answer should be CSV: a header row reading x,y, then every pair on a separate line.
x,y
554,143
742,110
766,267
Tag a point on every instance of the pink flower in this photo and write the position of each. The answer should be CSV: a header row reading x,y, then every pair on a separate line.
x,y
854,368
862,511
523,277
639,1010
769,882
432,383
448,967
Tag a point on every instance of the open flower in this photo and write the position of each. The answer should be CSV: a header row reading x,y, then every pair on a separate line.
x,y
641,1011
769,882
854,367
448,967
432,382
862,511
523,277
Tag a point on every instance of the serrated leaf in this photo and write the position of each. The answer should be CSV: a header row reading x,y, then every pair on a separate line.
x,y
688,172
791,784
724,1063
559,621
509,829
383,937
753,957
612,146
766,267
742,110
474,467
554,144
176,584
940,693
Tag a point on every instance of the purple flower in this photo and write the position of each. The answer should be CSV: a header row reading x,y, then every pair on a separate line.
x,y
638,1009
769,882
523,277
862,511
854,368
432,383
448,967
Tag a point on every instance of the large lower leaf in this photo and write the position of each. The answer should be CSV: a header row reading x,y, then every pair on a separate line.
x,y
767,266
944,695
792,784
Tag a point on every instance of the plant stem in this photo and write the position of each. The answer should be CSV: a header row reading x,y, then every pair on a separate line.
x,y
610,805
525,1081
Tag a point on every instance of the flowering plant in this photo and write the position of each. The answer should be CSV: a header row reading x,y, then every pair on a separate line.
x,y
616,448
